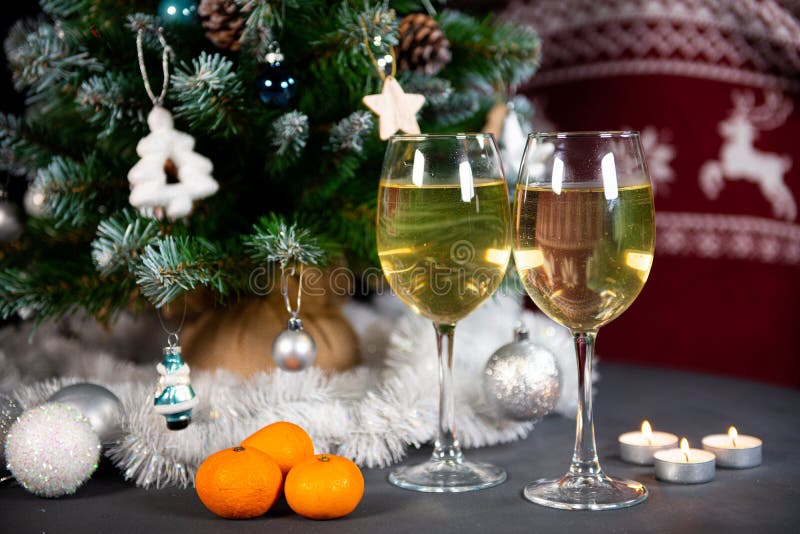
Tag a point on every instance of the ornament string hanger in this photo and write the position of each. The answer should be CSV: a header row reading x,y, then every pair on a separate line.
x,y
173,336
165,57
286,273
373,59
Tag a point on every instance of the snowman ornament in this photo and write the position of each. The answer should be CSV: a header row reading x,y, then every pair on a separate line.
x,y
170,175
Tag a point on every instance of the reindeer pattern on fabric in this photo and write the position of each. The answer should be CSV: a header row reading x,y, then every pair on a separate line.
x,y
740,160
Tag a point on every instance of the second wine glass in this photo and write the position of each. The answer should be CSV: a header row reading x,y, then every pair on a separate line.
x,y
444,242
584,240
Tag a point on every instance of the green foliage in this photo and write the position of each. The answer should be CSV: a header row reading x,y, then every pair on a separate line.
x,y
290,134
17,154
209,92
70,189
171,266
110,101
61,8
120,241
351,132
41,56
274,240
488,52
297,185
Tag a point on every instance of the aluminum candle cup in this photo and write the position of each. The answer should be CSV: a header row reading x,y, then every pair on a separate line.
x,y
638,447
734,450
684,465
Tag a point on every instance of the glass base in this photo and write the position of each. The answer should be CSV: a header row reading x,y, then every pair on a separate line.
x,y
443,476
573,492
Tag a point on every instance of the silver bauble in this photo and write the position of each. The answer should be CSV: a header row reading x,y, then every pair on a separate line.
x,y
9,411
10,225
33,201
294,349
521,380
100,406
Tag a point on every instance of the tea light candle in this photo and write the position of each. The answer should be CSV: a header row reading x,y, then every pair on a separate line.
x,y
684,465
638,447
734,450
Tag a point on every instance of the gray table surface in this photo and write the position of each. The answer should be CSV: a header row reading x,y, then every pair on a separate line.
x,y
764,499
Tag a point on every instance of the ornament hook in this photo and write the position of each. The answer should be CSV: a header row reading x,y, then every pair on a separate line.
x,y
167,52
285,274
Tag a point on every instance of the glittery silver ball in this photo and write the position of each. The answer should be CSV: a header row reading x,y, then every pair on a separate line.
x,y
521,381
52,450
294,349
9,411
100,406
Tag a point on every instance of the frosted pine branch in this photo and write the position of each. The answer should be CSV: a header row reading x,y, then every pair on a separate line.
x,y
120,241
41,57
209,93
15,156
169,267
437,91
458,108
17,292
273,240
290,133
62,9
379,21
261,17
350,132
106,100
66,186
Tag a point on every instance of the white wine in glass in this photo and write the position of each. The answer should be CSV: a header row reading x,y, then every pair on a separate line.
x,y
444,243
584,240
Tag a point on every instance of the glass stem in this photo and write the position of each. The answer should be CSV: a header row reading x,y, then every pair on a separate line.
x,y
446,447
584,459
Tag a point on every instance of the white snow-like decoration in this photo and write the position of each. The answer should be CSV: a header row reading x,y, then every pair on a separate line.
x,y
166,151
372,413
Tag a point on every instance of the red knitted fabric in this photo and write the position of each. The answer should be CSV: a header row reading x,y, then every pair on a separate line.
x,y
714,87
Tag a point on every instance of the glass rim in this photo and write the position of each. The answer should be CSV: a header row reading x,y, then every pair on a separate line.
x,y
423,137
589,133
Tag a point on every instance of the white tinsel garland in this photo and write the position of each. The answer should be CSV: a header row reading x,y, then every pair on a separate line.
x,y
370,414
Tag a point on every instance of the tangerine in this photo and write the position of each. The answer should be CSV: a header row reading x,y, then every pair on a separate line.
x,y
324,487
238,483
285,442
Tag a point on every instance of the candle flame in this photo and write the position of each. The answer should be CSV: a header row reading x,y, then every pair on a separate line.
x,y
685,448
733,434
647,431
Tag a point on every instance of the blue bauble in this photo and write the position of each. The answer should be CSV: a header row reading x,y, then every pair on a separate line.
x,y
178,12
275,85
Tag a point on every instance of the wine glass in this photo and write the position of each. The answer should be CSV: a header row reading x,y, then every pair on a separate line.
x,y
583,247
444,242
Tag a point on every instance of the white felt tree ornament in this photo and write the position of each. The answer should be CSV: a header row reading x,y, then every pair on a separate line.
x,y
170,175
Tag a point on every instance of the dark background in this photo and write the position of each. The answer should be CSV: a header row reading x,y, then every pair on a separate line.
x,y
10,100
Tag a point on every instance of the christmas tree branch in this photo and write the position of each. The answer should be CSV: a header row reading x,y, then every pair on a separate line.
x,y
488,52
18,155
168,267
274,240
209,93
290,134
349,134
110,100
69,190
54,287
41,57
121,239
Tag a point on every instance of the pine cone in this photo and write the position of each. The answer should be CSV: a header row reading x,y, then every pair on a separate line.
x,y
423,46
223,22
